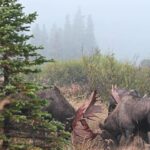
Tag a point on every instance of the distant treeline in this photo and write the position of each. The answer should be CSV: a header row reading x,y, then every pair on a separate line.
x,y
72,40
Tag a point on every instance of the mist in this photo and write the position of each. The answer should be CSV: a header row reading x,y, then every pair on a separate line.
x,y
120,27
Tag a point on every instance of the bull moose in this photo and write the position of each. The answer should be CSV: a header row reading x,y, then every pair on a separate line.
x,y
132,113
58,106
62,111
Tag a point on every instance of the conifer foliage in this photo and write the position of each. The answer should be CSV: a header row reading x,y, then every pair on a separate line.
x,y
17,55
23,123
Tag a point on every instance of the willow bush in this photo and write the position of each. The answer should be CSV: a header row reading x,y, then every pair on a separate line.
x,y
104,70
98,71
62,73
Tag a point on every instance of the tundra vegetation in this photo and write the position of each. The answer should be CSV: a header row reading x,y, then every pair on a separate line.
x,y
28,121
99,71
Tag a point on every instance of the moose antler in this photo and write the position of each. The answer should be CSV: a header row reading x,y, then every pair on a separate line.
x,y
115,94
81,130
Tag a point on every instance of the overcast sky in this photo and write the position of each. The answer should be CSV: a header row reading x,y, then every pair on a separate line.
x,y
121,26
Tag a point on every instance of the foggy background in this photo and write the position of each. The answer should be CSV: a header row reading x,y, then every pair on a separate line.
x,y
70,28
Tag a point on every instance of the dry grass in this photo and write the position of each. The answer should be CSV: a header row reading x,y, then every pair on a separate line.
x,y
76,100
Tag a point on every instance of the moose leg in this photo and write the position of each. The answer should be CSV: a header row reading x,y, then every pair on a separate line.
x,y
148,135
129,135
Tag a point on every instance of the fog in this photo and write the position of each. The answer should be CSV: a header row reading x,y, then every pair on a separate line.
x,y
120,26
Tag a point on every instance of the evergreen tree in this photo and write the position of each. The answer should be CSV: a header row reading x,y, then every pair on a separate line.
x,y
44,41
78,34
36,31
17,57
56,44
67,38
90,41
67,42
40,38
15,51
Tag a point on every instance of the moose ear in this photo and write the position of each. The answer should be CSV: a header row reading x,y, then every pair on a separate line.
x,y
115,94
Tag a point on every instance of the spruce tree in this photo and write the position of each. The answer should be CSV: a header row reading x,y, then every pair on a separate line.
x,y
78,32
18,57
90,40
67,39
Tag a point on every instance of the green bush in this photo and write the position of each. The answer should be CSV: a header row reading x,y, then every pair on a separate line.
x,y
104,70
61,73
99,72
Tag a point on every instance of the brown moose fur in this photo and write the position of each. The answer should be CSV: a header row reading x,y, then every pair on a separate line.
x,y
58,106
121,92
128,116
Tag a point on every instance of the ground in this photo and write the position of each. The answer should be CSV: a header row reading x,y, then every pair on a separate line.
x,y
76,99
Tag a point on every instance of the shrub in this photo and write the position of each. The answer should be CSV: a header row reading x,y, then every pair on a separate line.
x,y
99,72
61,73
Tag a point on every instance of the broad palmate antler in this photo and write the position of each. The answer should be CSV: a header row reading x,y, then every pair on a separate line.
x,y
81,130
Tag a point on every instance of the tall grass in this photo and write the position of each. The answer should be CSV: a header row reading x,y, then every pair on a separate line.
x,y
64,72
104,70
97,72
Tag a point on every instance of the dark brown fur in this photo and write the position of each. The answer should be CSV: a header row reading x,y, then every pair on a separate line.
x,y
121,92
130,115
58,106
